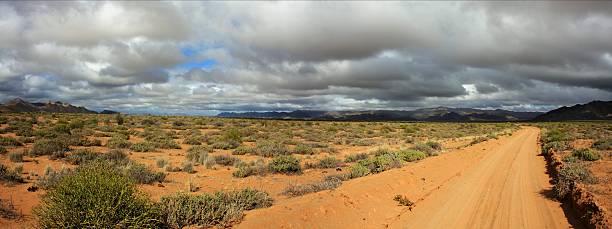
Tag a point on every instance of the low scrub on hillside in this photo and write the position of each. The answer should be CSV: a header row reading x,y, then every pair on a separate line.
x,y
220,209
569,174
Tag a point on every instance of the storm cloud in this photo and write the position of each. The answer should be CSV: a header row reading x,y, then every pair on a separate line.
x,y
205,57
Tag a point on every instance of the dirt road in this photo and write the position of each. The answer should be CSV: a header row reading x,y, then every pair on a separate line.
x,y
496,184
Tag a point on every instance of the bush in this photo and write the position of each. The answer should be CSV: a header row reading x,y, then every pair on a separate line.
x,y
198,153
326,163
300,190
3,150
570,173
8,211
161,162
382,162
605,144
8,141
82,156
142,147
478,140
286,164
257,168
118,143
586,154
97,196
226,160
225,144
411,155
187,167
207,210
164,143
48,147
303,149
403,201
358,170
243,150
15,157
556,136
271,149
10,175
143,175
426,148
51,178
193,140
355,157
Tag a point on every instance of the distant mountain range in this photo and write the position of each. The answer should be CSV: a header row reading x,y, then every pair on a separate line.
x,y
425,114
19,105
596,110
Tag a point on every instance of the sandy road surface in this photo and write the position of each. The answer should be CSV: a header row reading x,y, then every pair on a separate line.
x,y
496,184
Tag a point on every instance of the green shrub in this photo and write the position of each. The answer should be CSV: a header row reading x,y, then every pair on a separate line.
x,y
143,175
81,156
286,164
411,155
300,190
426,148
164,143
271,149
188,167
51,177
243,150
555,136
245,170
198,153
97,196
382,162
15,157
161,162
358,170
586,154
3,150
48,147
551,147
226,160
303,149
193,140
478,140
8,141
225,144
142,147
10,175
118,143
355,157
605,144
208,210
326,163
570,173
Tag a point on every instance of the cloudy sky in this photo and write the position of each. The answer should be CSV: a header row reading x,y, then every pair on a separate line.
x,y
202,58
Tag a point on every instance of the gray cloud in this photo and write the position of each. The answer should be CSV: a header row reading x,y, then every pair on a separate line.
x,y
306,55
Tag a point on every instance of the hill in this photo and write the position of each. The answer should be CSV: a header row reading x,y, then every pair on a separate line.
x,y
596,110
445,114
18,105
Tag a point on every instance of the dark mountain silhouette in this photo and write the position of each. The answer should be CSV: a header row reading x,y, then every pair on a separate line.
x,y
596,110
445,114
19,105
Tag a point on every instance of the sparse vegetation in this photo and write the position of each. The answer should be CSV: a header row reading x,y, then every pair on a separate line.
x,y
207,210
586,154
